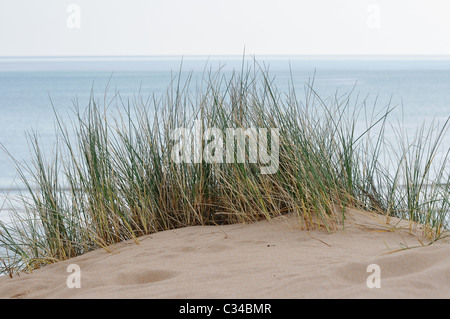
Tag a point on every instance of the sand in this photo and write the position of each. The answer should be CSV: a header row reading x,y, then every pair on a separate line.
x,y
267,259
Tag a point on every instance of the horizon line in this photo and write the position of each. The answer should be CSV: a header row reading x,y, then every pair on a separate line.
x,y
231,56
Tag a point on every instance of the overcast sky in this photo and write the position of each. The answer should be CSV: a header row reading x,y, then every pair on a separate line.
x,y
223,27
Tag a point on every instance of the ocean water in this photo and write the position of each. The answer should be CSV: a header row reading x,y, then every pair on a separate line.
x,y
419,88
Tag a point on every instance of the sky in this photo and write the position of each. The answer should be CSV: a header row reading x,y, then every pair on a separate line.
x,y
223,27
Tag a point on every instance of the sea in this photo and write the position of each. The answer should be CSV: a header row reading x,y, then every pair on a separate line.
x,y
32,88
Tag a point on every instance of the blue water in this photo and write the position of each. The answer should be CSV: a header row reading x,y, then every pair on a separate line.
x,y
420,88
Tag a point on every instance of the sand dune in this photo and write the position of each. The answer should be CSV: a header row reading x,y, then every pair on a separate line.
x,y
268,259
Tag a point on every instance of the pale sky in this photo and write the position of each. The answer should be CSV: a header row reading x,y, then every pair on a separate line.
x,y
224,27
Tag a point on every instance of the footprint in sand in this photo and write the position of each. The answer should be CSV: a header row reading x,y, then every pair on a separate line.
x,y
144,277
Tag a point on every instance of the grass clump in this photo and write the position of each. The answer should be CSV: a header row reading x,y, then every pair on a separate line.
x,y
111,176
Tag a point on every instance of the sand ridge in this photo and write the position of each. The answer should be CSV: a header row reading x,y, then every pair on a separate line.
x,y
267,259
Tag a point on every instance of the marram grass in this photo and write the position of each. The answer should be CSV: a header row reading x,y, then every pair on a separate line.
x,y
111,176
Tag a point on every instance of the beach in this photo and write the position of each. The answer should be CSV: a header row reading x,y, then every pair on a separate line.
x,y
224,150
236,191
274,258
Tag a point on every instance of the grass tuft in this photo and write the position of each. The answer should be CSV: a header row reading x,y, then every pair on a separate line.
x,y
111,177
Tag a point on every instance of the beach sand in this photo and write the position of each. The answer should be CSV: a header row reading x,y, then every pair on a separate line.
x,y
267,259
